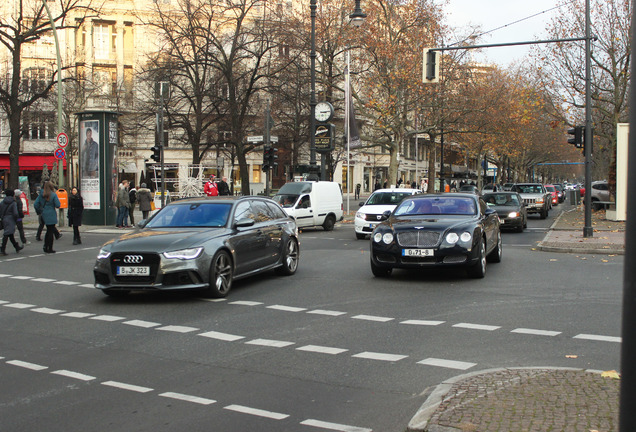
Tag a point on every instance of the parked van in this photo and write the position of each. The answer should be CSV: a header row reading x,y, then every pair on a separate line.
x,y
312,203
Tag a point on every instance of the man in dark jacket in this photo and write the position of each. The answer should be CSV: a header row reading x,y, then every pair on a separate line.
x,y
9,214
132,195
224,188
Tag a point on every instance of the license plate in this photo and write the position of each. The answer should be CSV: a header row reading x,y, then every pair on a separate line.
x,y
417,252
133,271
371,225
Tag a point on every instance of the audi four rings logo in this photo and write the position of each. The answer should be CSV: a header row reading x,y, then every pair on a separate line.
x,y
378,217
133,259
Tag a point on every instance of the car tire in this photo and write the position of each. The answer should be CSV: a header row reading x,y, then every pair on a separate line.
x,y
525,223
116,293
291,254
520,227
360,236
497,252
221,273
478,271
380,272
329,223
543,214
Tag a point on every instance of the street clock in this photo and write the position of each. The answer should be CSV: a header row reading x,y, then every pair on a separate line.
x,y
323,111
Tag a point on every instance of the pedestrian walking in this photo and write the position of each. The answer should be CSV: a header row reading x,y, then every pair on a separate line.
x,y
132,195
211,188
223,187
144,198
47,204
19,224
75,210
123,204
9,214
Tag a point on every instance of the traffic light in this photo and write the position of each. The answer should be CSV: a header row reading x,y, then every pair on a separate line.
x,y
269,157
430,72
156,154
265,158
578,137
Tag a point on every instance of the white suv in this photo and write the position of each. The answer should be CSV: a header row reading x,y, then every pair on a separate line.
x,y
380,201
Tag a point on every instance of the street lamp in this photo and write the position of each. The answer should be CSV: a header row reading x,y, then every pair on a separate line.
x,y
357,18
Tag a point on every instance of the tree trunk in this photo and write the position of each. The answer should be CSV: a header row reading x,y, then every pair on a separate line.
x,y
245,175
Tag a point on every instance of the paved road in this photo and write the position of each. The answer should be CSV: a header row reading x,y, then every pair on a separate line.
x,y
331,348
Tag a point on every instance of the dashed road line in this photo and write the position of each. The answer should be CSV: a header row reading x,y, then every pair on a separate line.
x,y
74,375
66,282
47,311
286,308
108,318
476,326
221,336
372,318
125,386
246,303
27,365
599,338
380,356
42,280
423,322
21,277
19,305
322,349
333,426
187,398
140,323
269,343
78,314
177,329
326,312
451,364
256,412
535,332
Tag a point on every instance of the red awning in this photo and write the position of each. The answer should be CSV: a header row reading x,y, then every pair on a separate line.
x,y
30,162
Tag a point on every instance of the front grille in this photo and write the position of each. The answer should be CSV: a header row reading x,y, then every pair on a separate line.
x,y
527,201
149,259
454,259
419,239
373,217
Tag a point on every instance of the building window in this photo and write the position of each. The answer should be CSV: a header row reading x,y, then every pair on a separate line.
x,y
34,80
101,41
38,126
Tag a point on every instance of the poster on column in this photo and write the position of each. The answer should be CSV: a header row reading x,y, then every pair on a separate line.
x,y
89,163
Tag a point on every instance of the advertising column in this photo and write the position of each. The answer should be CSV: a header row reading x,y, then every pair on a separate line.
x,y
97,150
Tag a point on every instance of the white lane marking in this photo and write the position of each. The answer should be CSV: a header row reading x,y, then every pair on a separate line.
x,y
109,318
221,336
333,426
16,259
140,323
2,275
3,302
269,343
322,349
599,338
19,305
124,386
246,303
67,283
256,412
451,364
535,332
74,375
287,308
177,329
77,314
379,356
372,318
36,255
27,365
47,311
212,300
188,398
42,280
87,286
21,277
477,326
326,312
423,322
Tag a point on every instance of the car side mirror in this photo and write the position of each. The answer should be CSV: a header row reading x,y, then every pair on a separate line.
x,y
489,211
361,204
385,215
244,223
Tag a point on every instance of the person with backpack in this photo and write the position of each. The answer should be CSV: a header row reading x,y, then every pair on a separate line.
x,y
47,204
9,215
210,188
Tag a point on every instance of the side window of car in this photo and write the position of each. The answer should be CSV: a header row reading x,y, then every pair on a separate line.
x,y
261,211
305,202
276,211
243,210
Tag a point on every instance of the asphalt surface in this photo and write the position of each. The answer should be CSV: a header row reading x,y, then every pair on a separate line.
x,y
522,399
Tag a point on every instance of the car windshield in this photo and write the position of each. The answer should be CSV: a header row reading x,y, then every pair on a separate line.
x,y
468,188
500,199
436,205
550,189
387,198
196,215
528,189
286,200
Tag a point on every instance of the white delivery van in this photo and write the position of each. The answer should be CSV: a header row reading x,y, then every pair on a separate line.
x,y
312,203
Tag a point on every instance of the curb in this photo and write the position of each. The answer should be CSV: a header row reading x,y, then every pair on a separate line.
x,y
419,422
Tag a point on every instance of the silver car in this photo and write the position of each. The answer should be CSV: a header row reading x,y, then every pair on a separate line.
x,y
200,244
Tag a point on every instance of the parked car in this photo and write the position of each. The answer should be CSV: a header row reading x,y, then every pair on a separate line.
x,y
510,208
560,192
437,230
200,244
600,193
312,203
535,198
553,194
380,201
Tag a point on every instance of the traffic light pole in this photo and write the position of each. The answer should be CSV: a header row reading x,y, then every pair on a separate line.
x,y
163,177
587,228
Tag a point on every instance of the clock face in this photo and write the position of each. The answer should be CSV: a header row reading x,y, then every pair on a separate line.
x,y
324,111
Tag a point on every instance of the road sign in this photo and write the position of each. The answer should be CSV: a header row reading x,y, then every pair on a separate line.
x,y
60,153
260,138
62,140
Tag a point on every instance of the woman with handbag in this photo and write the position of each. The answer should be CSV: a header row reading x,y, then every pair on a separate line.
x,y
9,214
48,203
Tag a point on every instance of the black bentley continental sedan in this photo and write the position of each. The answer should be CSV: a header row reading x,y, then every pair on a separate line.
x,y
437,230
200,244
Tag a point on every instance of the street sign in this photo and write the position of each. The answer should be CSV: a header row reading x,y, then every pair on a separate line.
x,y
324,141
60,153
62,140
260,138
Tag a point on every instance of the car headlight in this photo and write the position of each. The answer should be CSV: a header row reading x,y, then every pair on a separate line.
x,y
386,237
513,214
184,254
103,254
539,201
466,237
360,215
452,238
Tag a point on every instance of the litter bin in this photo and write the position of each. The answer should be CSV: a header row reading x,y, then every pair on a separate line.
x,y
574,196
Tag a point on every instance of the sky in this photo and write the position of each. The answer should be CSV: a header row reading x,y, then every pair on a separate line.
x,y
492,14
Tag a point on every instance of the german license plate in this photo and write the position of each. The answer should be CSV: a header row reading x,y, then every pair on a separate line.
x,y
133,271
417,252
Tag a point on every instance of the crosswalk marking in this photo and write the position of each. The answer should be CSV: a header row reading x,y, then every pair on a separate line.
x,y
256,412
221,336
333,426
188,398
27,365
380,356
451,364
322,349
74,375
124,386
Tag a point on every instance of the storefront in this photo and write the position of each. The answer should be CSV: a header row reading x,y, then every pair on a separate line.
x,y
31,166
